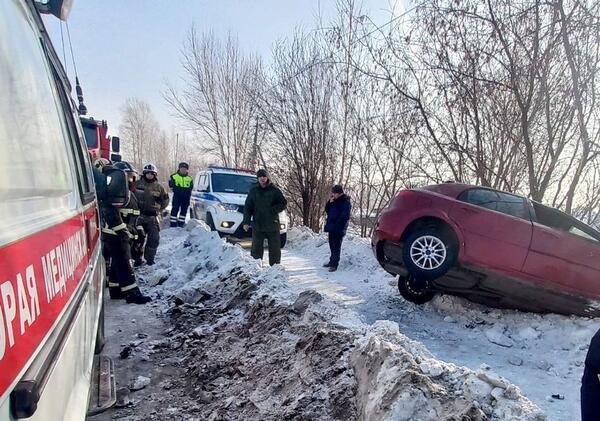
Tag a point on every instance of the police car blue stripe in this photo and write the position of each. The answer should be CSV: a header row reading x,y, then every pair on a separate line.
x,y
209,196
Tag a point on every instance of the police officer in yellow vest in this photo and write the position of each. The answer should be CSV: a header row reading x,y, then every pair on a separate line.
x,y
181,183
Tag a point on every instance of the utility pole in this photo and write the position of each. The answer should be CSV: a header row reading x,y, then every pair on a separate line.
x,y
176,149
255,147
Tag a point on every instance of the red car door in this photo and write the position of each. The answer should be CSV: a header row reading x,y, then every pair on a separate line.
x,y
496,226
564,253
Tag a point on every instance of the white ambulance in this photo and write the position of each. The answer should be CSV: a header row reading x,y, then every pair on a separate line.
x,y
51,268
218,199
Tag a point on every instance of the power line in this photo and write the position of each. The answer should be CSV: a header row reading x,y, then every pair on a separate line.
x,y
328,61
400,16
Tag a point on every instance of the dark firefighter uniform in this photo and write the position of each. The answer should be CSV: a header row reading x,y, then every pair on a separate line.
x,y
130,214
261,210
590,383
152,200
118,232
182,185
117,241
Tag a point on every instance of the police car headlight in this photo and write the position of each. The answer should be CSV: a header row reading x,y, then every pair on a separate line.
x,y
229,207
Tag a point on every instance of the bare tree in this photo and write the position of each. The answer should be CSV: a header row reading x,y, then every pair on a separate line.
x,y
139,130
296,106
215,98
498,93
497,86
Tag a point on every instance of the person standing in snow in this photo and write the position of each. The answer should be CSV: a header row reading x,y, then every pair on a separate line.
x,y
117,236
152,200
182,184
338,215
590,382
263,204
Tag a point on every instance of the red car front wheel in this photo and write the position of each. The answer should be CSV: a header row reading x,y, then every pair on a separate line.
x,y
429,253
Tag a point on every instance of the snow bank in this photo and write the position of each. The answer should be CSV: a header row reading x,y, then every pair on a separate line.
x,y
399,379
543,354
255,347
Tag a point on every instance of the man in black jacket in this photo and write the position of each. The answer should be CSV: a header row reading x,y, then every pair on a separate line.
x,y
590,383
338,215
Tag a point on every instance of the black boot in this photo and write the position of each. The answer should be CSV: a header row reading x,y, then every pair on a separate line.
x,y
135,296
326,265
150,262
332,268
115,293
137,263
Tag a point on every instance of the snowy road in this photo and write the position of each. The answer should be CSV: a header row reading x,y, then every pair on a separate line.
x,y
220,321
543,355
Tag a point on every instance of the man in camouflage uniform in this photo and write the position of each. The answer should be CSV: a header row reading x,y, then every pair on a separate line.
x,y
261,213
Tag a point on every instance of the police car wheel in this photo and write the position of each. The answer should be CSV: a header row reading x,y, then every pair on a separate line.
x,y
282,239
210,222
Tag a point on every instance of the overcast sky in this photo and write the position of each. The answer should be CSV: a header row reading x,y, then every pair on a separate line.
x,y
126,48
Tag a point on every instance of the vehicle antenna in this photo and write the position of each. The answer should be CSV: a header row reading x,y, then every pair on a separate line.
x,y
62,41
82,108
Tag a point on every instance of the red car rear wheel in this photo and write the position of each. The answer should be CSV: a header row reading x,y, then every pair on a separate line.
x,y
414,290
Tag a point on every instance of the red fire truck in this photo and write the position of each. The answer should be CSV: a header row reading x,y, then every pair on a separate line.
x,y
98,142
51,266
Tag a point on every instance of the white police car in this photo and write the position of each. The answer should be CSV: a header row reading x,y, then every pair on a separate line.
x,y
218,199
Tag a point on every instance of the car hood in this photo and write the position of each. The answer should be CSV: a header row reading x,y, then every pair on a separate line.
x,y
240,199
233,198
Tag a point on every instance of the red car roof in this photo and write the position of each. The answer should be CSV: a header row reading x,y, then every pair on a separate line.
x,y
449,189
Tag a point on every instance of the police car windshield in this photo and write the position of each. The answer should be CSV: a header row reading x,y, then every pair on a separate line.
x,y
232,183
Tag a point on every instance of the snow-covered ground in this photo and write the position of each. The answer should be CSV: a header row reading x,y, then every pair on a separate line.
x,y
542,354
229,338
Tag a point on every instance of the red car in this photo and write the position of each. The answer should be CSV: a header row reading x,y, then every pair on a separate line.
x,y
491,247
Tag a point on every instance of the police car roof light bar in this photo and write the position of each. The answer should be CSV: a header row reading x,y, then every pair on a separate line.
x,y
220,167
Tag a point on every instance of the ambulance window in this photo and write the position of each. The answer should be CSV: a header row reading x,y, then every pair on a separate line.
x,y
36,183
78,144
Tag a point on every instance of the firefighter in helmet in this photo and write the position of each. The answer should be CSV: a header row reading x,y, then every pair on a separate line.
x,y
117,235
99,179
152,201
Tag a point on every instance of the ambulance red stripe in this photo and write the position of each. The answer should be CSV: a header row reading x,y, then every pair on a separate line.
x,y
38,276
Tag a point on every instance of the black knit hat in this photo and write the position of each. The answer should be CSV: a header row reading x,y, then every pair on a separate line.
x,y
184,165
337,189
262,173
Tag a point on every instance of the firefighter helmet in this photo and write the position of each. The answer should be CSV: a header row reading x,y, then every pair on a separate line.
x,y
125,166
101,163
150,168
